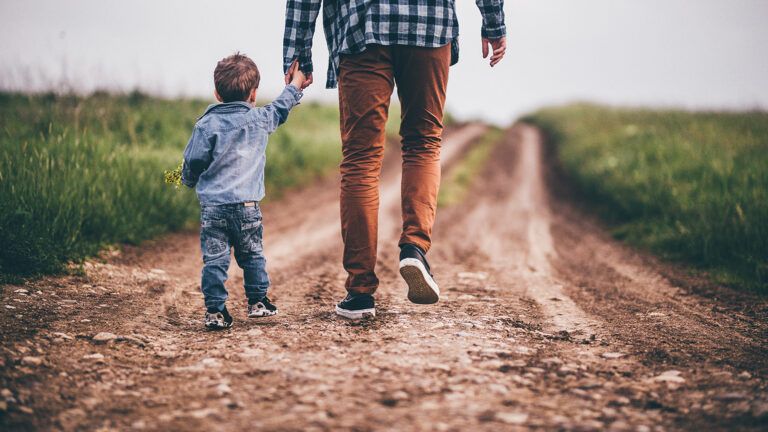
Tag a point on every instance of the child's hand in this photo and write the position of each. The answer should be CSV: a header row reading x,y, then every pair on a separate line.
x,y
298,79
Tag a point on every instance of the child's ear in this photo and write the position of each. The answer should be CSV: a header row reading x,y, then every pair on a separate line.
x,y
252,97
218,97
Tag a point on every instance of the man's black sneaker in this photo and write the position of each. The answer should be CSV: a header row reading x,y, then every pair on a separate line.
x,y
215,320
414,268
357,306
261,308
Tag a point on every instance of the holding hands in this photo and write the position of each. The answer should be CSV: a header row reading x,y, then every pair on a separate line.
x,y
296,77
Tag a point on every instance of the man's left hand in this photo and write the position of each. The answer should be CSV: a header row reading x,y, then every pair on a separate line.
x,y
289,76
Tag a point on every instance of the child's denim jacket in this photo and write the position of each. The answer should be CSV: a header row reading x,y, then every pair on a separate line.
x,y
225,156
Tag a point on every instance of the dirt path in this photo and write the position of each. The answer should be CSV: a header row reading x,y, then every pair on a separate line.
x,y
544,323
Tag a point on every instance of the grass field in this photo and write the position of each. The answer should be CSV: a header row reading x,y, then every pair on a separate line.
x,y
691,187
79,173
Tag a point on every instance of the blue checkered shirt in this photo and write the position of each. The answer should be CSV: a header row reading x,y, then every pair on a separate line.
x,y
350,25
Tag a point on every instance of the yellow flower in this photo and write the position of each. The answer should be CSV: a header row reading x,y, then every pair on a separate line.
x,y
173,176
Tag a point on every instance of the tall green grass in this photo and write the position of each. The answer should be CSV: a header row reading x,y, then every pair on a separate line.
x,y
689,186
79,173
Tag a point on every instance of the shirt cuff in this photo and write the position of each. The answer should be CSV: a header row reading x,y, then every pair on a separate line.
x,y
305,64
187,182
495,32
295,92
287,65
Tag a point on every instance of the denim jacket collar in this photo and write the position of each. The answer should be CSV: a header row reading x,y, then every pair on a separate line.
x,y
227,107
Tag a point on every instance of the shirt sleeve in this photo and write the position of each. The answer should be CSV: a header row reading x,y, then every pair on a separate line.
x,y
197,157
277,111
300,18
493,18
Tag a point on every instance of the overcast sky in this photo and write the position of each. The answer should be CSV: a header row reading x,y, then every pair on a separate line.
x,y
688,53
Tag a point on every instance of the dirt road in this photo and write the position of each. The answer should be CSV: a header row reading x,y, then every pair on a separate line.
x,y
544,323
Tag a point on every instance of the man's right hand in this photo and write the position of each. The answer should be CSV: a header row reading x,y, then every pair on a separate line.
x,y
298,78
499,47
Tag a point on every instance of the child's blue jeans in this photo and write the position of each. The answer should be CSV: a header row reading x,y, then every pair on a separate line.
x,y
235,226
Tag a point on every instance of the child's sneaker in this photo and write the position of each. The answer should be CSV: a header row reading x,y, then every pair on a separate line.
x,y
215,320
261,308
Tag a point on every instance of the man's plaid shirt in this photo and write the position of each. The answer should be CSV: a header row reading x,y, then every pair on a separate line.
x,y
352,24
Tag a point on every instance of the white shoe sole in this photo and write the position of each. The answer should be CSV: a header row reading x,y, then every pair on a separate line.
x,y
422,289
212,326
262,314
356,314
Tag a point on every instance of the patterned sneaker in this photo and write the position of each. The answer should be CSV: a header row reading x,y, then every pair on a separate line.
x,y
356,306
215,320
261,308
414,268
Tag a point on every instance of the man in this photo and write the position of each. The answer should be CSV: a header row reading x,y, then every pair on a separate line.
x,y
373,45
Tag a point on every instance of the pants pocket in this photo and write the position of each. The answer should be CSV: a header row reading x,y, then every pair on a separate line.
x,y
250,241
213,238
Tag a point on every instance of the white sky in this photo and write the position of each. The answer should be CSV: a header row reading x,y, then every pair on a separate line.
x,y
688,53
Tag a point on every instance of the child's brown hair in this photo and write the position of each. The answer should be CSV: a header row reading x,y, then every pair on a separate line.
x,y
235,77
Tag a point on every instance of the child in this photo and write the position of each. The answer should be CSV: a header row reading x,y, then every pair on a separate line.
x,y
224,161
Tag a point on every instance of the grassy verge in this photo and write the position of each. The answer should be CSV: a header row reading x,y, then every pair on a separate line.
x,y
79,173
691,187
454,186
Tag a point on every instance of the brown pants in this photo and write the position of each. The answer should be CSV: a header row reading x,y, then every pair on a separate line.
x,y
366,82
